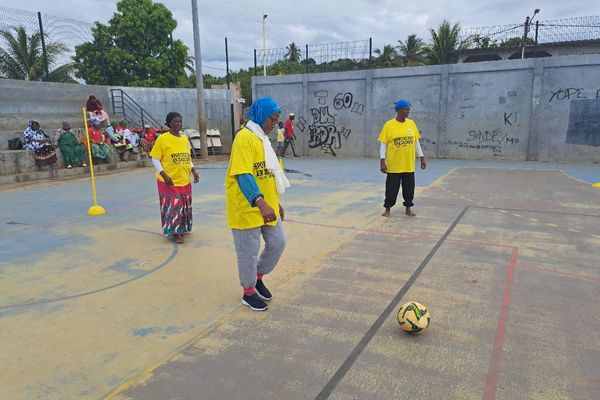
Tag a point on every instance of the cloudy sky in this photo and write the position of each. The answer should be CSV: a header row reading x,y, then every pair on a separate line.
x,y
313,22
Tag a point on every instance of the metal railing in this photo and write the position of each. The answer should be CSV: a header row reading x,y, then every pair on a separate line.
x,y
124,105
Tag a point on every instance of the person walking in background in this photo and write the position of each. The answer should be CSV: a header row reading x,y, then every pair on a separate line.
x,y
280,139
37,142
290,136
253,183
399,140
70,146
173,162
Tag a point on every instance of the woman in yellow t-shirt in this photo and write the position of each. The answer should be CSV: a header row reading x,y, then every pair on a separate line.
x,y
173,162
253,184
399,140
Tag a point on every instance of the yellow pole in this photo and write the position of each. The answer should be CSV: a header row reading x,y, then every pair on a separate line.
x,y
94,210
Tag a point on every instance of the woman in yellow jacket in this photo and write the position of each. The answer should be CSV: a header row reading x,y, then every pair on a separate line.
x,y
253,184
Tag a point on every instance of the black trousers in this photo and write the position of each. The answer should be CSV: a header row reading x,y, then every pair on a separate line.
x,y
392,186
289,142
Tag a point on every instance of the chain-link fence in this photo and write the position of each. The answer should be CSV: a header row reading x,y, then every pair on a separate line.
x,y
569,36
324,57
56,30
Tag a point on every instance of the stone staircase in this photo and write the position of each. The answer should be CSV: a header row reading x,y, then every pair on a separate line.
x,y
18,166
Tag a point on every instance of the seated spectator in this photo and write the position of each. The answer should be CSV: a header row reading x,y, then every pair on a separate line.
x,y
148,138
132,137
36,141
100,149
96,112
118,140
70,146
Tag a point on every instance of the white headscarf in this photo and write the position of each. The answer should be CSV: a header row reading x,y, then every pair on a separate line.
x,y
271,160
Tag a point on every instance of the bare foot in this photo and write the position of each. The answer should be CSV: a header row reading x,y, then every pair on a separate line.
x,y
409,212
386,213
179,239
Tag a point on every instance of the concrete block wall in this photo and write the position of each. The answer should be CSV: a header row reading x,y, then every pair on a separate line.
x,y
51,103
545,109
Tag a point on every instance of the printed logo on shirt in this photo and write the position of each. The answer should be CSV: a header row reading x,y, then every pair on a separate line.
x,y
261,171
180,158
403,141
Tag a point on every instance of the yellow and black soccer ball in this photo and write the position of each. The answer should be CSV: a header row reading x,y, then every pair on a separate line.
x,y
413,317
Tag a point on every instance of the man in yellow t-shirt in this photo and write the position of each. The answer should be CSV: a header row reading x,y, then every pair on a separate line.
x,y
252,185
399,140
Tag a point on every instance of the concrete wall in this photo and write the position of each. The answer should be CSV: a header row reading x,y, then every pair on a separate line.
x,y
534,109
51,103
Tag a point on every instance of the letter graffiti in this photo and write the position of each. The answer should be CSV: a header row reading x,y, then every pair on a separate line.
x,y
510,118
567,94
323,131
301,124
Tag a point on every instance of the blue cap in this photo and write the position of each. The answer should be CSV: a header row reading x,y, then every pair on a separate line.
x,y
401,104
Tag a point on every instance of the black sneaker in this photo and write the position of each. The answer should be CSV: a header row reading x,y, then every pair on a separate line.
x,y
254,302
262,291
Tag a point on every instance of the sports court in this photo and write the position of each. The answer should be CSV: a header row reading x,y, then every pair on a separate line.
x,y
506,256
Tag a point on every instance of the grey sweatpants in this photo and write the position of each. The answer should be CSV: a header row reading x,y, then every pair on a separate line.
x,y
247,246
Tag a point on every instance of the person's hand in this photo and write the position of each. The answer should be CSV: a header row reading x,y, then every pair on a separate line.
x,y
423,163
167,178
382,166
281,212
196,176
268,214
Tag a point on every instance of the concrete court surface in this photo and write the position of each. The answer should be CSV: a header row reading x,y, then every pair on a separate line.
x,y
505,255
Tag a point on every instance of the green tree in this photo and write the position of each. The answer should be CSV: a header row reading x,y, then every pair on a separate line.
x,y
292,53
22,58
517,41
412,51
387,58
444,43
483,42
134,49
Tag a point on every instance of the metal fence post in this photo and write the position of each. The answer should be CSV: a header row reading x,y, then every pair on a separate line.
x,y
229,88
370,51
43,45
306,59
254,62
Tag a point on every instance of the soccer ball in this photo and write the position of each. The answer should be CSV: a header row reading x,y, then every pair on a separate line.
x,y
413,317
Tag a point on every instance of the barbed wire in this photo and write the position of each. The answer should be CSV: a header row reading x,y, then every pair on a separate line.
x,y
551,31
321,53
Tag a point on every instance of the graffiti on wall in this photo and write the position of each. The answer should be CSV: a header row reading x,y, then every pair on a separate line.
x,y
492,137
584,114
324,132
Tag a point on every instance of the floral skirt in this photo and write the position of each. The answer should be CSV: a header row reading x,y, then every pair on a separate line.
x,y
45,155
175,208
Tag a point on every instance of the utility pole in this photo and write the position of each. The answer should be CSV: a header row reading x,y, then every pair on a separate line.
x,y
199,82
264,23
528,22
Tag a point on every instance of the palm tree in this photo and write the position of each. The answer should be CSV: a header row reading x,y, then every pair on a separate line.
x,y
387,58
412,50
293,53
444,42
22,58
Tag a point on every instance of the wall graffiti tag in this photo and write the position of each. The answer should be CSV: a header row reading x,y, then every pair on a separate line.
x,y
323,131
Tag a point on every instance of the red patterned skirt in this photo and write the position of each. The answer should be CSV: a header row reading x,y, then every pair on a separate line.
x,y
175,208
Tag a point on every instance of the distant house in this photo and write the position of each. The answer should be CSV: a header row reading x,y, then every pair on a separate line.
x,y
570,48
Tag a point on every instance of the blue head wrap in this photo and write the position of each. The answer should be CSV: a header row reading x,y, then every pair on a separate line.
x,y
401,104
262,109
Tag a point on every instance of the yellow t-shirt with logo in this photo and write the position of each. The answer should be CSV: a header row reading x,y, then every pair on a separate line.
x,y
401,139
248,157
174,155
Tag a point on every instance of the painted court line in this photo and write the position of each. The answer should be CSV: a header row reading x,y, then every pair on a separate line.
x,y
491,381
347,364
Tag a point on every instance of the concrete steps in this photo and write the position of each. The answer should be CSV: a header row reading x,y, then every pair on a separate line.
x,y
18,166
